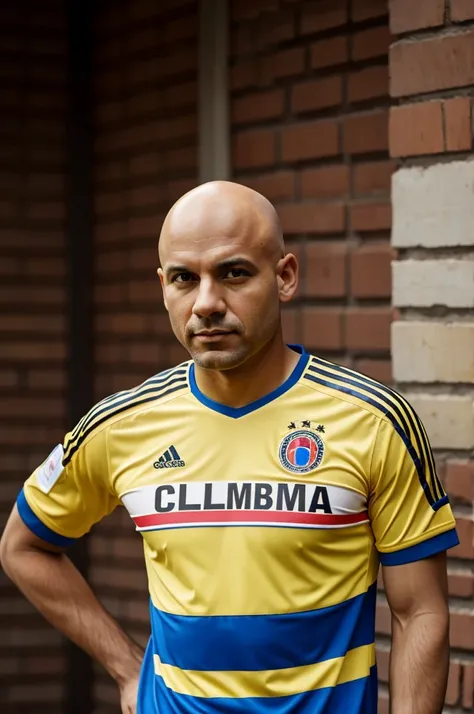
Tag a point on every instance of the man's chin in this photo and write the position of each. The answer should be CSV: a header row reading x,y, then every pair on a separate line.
x,y
219,359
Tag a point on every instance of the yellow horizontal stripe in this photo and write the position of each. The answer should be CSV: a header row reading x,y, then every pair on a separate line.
x,y
268,683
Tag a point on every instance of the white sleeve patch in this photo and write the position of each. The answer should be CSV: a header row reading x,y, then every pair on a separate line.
x,y
51,469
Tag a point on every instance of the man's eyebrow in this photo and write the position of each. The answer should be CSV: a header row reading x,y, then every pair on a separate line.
x,y
176,269
237,260
221,265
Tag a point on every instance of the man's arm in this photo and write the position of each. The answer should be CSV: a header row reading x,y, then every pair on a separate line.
x,y
51,582
417,594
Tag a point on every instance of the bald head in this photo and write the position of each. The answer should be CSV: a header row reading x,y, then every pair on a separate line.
x,y
226,211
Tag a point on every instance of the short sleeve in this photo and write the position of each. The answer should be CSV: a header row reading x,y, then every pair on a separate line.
x,y
409,511
69,492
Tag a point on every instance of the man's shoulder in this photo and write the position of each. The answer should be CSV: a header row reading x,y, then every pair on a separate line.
x,y
356,389
157,389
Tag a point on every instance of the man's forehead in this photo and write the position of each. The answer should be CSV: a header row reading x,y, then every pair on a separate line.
x,y
209,254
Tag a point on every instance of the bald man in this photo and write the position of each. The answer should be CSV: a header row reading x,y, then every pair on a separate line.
x,y
268,485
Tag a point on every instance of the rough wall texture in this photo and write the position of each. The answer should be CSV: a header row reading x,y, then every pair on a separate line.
x,y
432,81
309,110
145,158
32,313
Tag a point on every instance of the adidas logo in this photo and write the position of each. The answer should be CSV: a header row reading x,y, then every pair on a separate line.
x,y
169,460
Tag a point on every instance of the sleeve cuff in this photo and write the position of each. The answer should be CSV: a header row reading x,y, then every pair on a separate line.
x,y
434,545
31,520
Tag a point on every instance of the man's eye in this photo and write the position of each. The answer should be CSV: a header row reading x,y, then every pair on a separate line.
x,y
182,278
237,273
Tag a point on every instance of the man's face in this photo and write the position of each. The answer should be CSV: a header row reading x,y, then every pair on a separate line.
x,y
222,296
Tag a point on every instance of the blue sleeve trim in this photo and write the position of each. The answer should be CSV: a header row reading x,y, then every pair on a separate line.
x,y
442,502
31,520
441,542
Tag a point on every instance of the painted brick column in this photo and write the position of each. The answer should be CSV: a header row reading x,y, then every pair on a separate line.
x,y
430,127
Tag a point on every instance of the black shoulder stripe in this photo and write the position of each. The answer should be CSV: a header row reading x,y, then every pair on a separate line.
x,y
386,412
108,411
116,398
422,441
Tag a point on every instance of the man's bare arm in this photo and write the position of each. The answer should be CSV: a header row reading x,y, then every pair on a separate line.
x,y
48,578
417,594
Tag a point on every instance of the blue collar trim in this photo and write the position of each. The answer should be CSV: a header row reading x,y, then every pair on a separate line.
x,y
236,412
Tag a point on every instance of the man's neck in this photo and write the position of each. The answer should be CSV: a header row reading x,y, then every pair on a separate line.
x,y
258,376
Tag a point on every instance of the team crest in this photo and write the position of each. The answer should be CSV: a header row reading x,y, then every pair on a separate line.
x,y
301,451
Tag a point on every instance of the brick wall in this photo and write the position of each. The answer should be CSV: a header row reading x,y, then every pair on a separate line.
x,y
32,313
432,83
145,158
309,110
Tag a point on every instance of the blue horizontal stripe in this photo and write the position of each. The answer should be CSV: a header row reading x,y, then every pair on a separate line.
x,y
356,697
441,542
257,642
31,520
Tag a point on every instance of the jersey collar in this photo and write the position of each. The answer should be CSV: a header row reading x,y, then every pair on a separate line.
x,y
236,412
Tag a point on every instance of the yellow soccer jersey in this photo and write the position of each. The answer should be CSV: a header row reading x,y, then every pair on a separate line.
x,y
263,530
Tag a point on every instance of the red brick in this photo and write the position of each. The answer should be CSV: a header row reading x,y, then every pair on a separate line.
x,y
371,216
323,15
144,226
383,659
145,291
462,10
454,681
368,83
406,16
254,148
367,132
34,351
367,9
457,118
245,74
461,584
258,106
460,480
383,618
373,177
276,27
468,686
24,323
316,94
462,630
276,186
371,43
325,270
379,369
145,164
310,141
371,271
330,53
247,9
416,129
47,211
431,65
325,182
322,328
47,379
286,63
312,218
8,378
368,329
465,549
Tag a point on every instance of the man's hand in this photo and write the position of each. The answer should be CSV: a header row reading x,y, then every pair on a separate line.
x,y
128,695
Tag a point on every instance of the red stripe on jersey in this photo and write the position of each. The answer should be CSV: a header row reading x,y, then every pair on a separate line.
x,y
160,519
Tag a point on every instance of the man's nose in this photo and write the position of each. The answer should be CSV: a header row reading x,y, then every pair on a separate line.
x,y
209,299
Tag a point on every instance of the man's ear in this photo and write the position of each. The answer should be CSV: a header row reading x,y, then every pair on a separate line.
x,y
162,282
287,276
